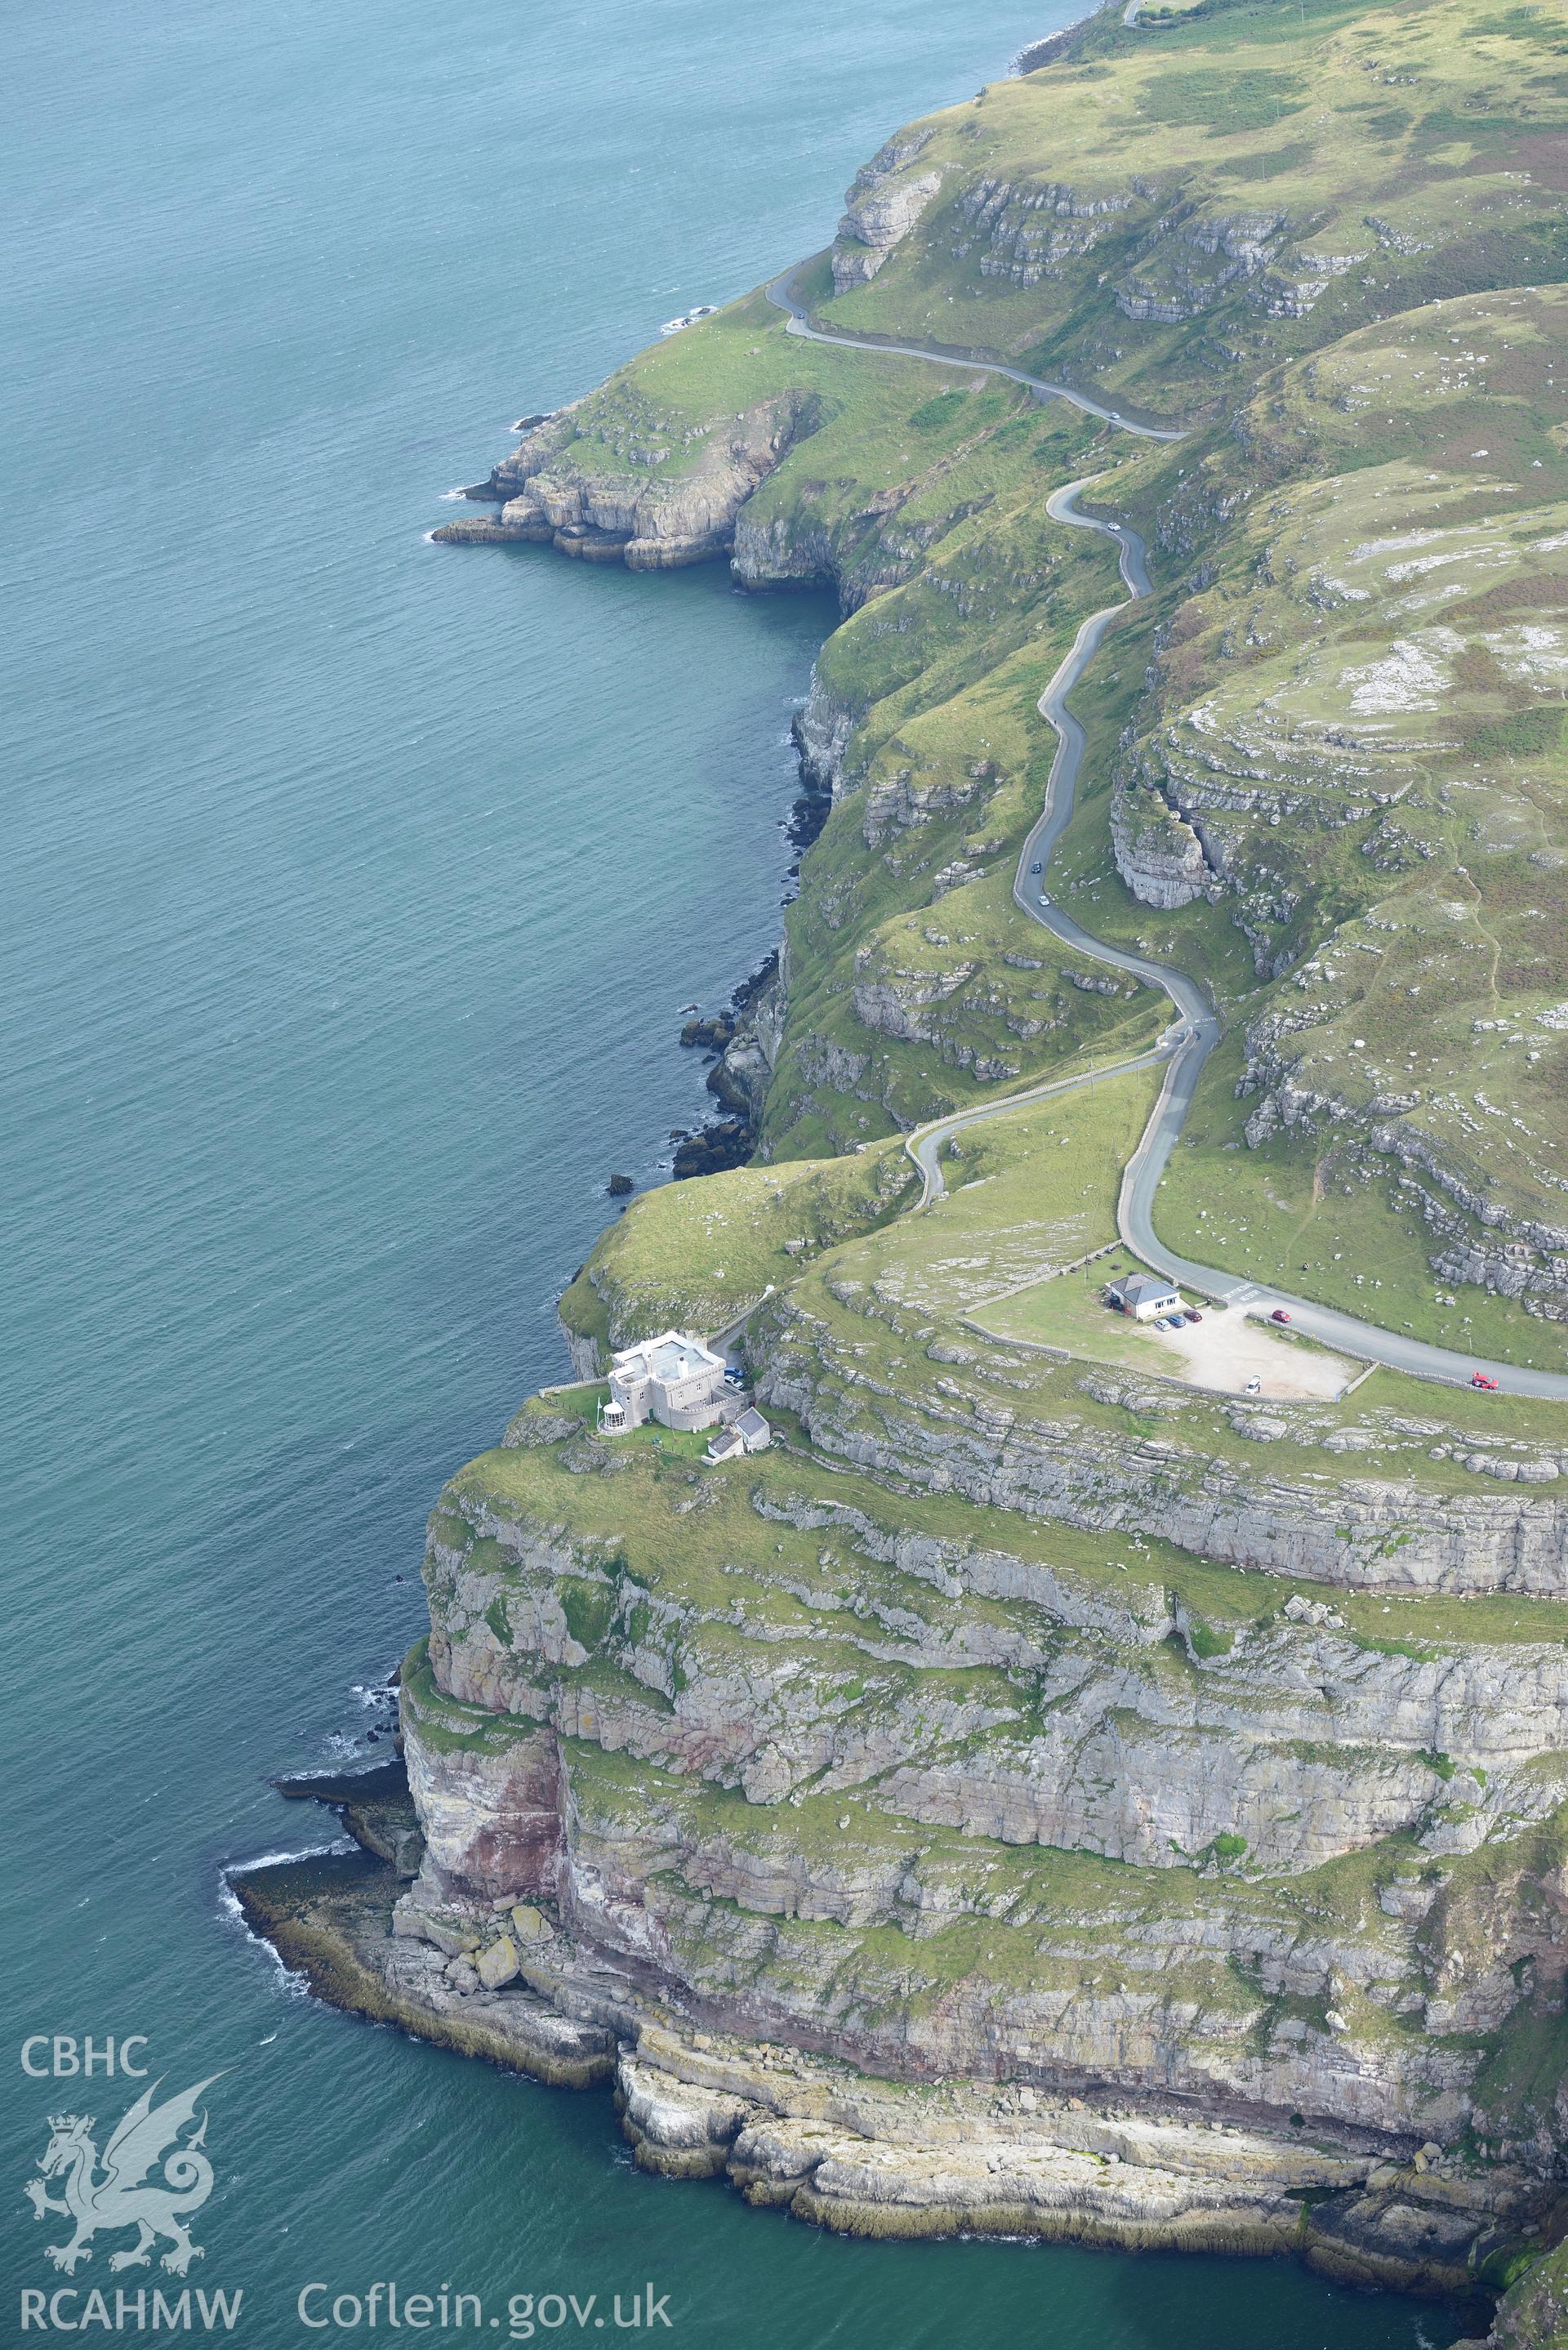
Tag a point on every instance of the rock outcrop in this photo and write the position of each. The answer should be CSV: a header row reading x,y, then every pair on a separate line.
x,y
1033,230
1190,260
881,208
1157,853
1287,1870
1475,1237
744,1040
532,1986
822,730
1366,1531
658,525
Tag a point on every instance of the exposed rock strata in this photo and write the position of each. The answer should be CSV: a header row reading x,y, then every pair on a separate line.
x,y
881,208
1189,261
547,499
998,1852
822,729
873,2156
1158,855
1368,1533
1033,230
637,1761
1477,1238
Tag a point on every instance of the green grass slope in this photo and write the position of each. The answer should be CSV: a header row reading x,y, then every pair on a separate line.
x,y
1167,208
1357,714
1327,767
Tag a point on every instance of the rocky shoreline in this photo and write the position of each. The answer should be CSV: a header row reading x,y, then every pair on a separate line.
x,y
522,1985
742,1042
544,502
653,526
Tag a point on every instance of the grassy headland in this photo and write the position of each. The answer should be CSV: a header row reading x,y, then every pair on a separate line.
x,y
1212,1727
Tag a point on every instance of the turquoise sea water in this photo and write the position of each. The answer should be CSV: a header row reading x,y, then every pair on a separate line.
x,y
352,889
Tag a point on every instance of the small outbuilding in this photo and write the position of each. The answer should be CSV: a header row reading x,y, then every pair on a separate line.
x,y
1144,1296
749,1432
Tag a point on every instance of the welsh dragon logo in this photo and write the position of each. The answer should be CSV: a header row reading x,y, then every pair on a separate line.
x,y
122,2195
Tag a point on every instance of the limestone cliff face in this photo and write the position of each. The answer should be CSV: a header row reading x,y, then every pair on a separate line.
x,y
734,1805
780,550
573,1982
1157,853
489,1808
547,497
745,1065
1477,1238
821,731
1190,260
583,1353
1165,261
881,208
1026,1860
1301,1741
1368,1531
1029,230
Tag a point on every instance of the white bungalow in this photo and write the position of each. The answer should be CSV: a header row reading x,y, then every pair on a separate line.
x,y
1144,1296
674,1379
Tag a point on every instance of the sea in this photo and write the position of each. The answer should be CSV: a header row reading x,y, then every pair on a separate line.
x,y
354,890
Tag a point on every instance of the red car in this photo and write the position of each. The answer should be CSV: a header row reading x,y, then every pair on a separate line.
x,y
1279,1314
1482,1379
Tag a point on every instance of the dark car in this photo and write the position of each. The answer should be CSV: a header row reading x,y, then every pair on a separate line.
x,y
1037,866
1193,1314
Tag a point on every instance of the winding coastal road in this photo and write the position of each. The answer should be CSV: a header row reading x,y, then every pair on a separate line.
x,y
1187,1044
781,294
